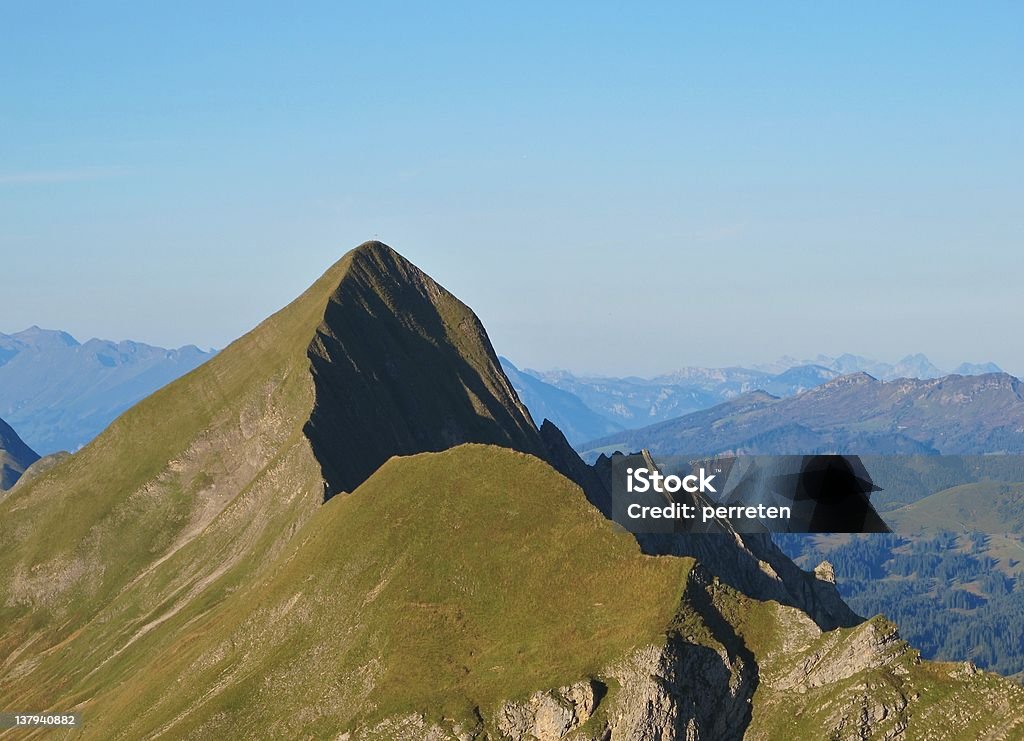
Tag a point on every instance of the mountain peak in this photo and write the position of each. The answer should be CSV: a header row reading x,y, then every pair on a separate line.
x,y
374,247
379,256
36,336
976,369
401,366
850,379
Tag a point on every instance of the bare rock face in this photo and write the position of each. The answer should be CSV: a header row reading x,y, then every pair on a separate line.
x,y
875,644
698,684
825,572
401,366
671,692
679,691
549,716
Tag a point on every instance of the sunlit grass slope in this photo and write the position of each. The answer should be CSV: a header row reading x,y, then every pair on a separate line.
x,y
192,493
447,582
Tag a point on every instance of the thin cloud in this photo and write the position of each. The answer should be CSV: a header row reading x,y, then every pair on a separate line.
x,y
60,176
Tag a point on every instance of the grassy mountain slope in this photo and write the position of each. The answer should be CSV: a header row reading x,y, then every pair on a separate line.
x,y
476,591
179,502
986,507
448,582
15,456
190,493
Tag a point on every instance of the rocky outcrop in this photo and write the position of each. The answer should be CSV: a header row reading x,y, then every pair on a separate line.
x,y
699,685
839,656
549,716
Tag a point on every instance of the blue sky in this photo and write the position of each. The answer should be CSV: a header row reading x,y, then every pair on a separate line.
x,y
612,188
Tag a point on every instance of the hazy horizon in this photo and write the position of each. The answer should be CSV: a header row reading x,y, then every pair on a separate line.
x,y
581,372
613,190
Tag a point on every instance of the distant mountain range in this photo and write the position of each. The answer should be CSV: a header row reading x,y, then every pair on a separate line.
x,y
582,404
855,413
911,366
59,393
546,401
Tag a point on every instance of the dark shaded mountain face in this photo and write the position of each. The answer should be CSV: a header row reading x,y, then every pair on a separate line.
x,y
15,456
60,393
401,366
854,414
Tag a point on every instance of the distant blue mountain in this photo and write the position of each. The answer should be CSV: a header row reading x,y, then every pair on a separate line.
x,y
799,378
632,402
574,418
976,369
912,366
59,393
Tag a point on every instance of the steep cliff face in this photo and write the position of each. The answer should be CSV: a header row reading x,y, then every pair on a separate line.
x,y
401,366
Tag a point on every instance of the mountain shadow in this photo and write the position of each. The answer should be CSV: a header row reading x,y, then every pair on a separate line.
x,y
401,366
